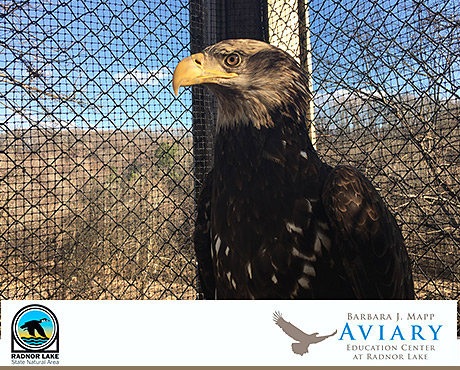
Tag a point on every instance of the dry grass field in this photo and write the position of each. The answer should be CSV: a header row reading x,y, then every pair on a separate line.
x,y
109,214
95,215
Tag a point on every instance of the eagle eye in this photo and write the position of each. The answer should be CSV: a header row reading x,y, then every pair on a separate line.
x,y
232,60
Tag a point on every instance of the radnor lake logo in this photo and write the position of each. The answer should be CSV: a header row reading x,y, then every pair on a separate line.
x,y
35,336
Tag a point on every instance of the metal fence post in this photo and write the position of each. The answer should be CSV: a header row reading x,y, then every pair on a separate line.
x,y
210,22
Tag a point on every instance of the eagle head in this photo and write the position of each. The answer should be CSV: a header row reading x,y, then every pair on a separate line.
x,y
252,80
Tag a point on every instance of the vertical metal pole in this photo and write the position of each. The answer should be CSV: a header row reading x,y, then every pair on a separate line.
x,y
306,61
203,109
289,29
246,19
212,21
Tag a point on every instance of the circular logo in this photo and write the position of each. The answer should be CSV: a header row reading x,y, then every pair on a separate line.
x,y
34,327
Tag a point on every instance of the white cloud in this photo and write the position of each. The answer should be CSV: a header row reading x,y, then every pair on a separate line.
x,y
342,96
135,76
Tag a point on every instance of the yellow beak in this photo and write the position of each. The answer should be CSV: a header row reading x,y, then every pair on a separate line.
x,y
192,71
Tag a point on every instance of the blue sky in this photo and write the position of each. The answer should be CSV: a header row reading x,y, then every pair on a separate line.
x,y
119,56
389,40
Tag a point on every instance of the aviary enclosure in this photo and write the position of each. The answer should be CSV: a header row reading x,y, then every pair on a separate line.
x,y
100,164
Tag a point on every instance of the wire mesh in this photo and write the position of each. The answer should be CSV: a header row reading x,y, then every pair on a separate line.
x,y
99,163
386,79
96,184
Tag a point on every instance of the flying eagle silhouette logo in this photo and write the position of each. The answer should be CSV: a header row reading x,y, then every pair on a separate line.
x,y
34,325
303,339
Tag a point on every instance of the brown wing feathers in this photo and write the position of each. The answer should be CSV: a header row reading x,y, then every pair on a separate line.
x,y
367,236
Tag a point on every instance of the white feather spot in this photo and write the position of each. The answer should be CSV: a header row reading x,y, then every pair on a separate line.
x,y
293,228
249,268
295,292
317,247
304,282
212,238
217,245
229,276
296,253
227,251
274,279
323,225
309,270
304,154
233,284
325,241
274,266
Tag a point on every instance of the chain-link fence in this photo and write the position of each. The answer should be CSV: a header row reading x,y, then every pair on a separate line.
x,y
386,83
387,78
96,184
99,162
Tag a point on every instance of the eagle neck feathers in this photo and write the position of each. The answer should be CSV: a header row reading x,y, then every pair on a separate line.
x,y
264,101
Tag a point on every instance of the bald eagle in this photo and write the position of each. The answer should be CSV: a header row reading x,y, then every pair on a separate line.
x,y
273,220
